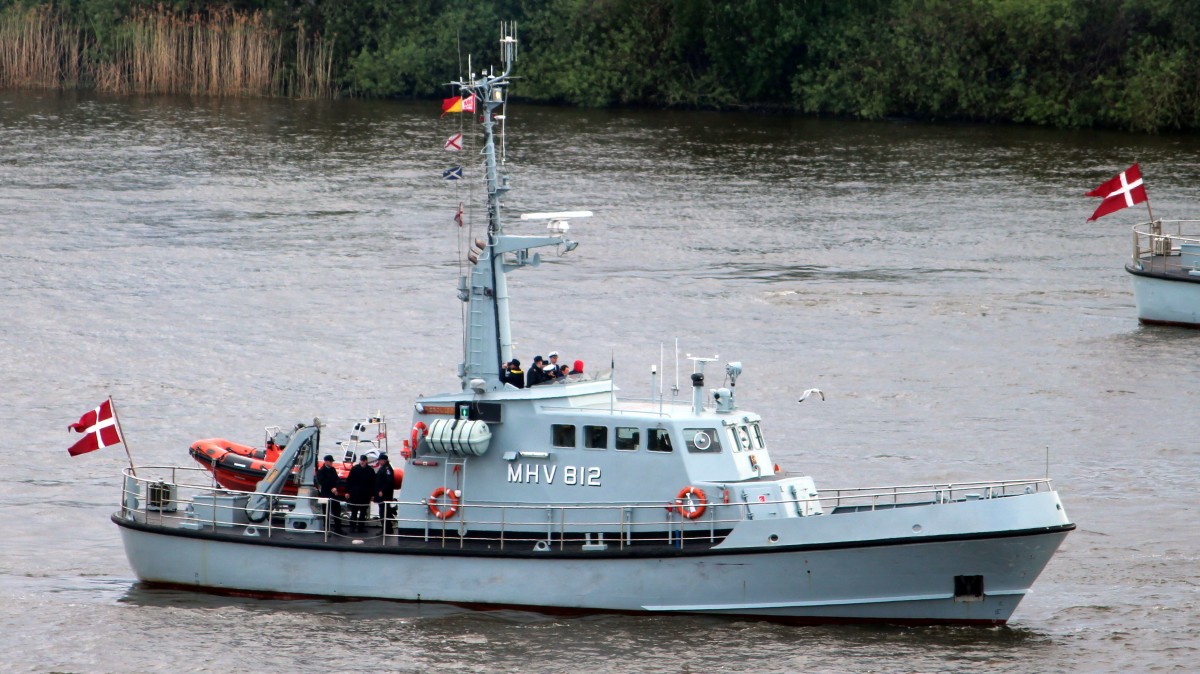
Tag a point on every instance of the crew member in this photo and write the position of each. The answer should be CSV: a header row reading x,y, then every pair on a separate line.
x,y
551,366
360,485
536,374
513,374
385,491
327,480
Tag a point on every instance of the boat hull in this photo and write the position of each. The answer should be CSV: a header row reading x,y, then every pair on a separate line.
x,y
897,582
1166,299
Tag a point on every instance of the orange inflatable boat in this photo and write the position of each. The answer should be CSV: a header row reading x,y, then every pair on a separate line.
x,y
241,467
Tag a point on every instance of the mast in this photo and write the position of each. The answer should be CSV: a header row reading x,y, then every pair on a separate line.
x,y
488,342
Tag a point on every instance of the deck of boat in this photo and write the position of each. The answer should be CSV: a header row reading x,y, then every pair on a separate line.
x,y
1166,267
1166,249
439,540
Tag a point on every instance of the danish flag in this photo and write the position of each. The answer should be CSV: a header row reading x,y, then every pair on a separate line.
x,y
1123,191
99,427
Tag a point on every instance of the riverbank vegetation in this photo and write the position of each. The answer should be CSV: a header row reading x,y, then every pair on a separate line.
x,y
160,50
1130,64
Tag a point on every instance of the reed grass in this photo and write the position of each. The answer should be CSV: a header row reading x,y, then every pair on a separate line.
x,y
219,53
38,49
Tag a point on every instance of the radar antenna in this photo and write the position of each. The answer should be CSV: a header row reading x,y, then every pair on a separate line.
x,y
508,42
508,54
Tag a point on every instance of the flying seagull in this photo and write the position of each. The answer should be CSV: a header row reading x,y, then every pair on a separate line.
x,y
809,392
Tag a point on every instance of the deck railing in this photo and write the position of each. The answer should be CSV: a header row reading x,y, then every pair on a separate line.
x,y
877,497
1165,246
167,496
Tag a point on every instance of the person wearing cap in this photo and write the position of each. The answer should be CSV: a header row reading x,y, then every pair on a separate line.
x,y
536,374
513,374
577,369
327,481
360,486
551,367
385,492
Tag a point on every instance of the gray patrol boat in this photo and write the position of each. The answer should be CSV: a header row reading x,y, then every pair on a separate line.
x,y
659,506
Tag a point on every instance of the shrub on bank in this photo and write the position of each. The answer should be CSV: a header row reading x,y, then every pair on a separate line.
x,y
1132,64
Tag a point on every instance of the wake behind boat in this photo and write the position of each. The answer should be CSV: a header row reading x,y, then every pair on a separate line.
x,y
564,496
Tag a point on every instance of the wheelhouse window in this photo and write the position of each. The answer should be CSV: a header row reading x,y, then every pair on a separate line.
x,y
659,440
757,437
563,435
741,436
595,437
628,438
702,440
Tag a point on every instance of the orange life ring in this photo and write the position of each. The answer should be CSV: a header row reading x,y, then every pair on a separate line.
x,y
423,429
437,510
696,508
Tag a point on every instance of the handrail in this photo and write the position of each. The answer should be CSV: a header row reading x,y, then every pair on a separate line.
x,y
616,410
1160,251
1178,224
148,499
941,493
941,485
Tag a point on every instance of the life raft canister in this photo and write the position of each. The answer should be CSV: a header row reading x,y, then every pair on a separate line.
x,y
452,497
694,506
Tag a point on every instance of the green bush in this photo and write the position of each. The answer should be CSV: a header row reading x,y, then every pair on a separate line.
x,y
1131,64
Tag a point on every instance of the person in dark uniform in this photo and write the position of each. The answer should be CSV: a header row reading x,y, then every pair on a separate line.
x,y
385,491
536,374
513,374
360,486
327,481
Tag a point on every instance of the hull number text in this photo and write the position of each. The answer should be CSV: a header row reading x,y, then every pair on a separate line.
x,y
583,476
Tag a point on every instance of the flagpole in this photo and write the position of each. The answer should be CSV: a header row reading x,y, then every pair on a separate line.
x,y
117,418
1149,210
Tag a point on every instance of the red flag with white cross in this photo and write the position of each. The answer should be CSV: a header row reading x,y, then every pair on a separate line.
x,y
1123,191
99,427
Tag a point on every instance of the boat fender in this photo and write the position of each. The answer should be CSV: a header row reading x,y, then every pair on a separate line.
x,y
697,506
452,497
